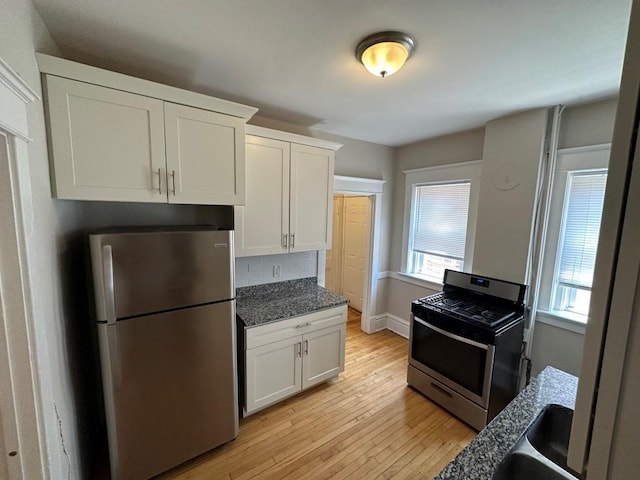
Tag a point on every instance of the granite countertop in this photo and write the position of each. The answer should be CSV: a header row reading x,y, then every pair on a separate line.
x,y
260,304
480,458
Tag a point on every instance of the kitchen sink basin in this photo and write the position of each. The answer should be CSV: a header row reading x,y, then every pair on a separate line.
x,y
541,451
517,465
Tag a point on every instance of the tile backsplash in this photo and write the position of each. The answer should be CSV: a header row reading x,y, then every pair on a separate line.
x,y
275,268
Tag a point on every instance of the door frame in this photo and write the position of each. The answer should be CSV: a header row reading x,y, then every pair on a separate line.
x,y
20,407
371,188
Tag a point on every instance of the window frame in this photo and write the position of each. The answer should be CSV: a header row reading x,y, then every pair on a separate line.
x,y
441,174
568,160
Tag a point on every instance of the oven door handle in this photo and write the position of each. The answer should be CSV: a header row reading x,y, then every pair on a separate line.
x,y
451,335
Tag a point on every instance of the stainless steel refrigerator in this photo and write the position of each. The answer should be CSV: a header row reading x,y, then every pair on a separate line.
x,y
166,328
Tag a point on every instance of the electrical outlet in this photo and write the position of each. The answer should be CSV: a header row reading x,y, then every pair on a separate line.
x,y
276,271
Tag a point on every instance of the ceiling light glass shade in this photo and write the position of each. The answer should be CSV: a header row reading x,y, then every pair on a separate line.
x,y
384,53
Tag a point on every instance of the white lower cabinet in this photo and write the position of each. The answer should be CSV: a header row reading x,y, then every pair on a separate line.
x,y
283,358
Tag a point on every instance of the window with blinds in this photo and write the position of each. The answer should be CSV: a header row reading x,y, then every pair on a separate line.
x,y
580,227
439,230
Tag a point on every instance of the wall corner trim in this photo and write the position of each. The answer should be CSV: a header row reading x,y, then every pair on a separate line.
x,y
14,82
15,94
397,325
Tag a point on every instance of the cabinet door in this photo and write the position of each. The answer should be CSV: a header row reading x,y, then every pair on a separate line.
x,y
105,144
205,156
323,354
273,372
262,223
311,198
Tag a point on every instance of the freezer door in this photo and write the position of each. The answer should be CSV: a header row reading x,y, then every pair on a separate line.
x,y
170,387
158,271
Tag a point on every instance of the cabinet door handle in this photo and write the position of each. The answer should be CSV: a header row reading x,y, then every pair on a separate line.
x,y
173,180
293,240
306,347
159,182
285,238
299,348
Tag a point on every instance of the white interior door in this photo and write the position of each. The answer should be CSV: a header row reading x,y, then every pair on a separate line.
x,y
357,229
333,263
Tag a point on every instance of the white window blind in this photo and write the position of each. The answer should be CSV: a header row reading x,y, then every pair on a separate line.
x,y
580,228
440,225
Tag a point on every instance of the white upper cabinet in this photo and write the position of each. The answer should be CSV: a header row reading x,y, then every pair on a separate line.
x,y
311,198
203,149
261,225
289,189
105,143
119,138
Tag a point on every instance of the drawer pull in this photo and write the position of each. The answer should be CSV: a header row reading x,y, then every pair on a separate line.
x,y
302,325
441,390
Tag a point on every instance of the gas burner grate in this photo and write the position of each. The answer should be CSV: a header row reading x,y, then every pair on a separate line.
x,y
471,309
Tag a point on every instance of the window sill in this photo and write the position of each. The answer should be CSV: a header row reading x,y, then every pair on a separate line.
x,y
418,280
559,321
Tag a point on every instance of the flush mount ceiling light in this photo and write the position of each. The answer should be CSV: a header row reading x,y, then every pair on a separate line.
x,y
384,53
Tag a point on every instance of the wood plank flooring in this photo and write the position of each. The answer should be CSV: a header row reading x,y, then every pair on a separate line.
x,y
366,424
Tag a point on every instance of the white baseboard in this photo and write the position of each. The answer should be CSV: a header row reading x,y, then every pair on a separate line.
x,y
397,325
378,322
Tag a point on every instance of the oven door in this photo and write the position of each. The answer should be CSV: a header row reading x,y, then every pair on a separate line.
x,y
461,364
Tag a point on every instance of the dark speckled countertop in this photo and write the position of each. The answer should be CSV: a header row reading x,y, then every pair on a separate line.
x,y
480,458
260,304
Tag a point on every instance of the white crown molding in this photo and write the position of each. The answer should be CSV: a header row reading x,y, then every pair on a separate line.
x,y
14,82
258,131
448,166
15,95
343,183
105,78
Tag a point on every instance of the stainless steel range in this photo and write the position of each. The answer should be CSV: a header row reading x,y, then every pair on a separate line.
x,y
465,345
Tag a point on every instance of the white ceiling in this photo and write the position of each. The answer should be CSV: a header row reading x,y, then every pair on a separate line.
x,y
474,61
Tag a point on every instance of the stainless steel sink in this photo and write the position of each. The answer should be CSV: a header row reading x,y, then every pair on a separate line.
x,y
541,451
517,465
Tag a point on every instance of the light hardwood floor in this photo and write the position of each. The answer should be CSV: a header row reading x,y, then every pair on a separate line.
x,y
366,424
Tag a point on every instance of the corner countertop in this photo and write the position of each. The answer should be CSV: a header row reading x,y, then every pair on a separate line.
x,y
479,459
260,304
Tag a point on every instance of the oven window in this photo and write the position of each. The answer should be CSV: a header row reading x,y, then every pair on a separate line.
x,y
460,362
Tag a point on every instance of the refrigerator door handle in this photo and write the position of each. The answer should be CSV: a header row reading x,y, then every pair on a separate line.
x,y
113,345
109,289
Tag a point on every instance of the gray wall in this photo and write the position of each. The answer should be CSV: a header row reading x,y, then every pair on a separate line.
x,y
587,124
460,147
22,32
511,163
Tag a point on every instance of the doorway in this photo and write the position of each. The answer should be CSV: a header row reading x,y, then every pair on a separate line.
x,y
347,263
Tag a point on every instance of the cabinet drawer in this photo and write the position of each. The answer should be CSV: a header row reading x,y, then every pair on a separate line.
x,y
273,332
